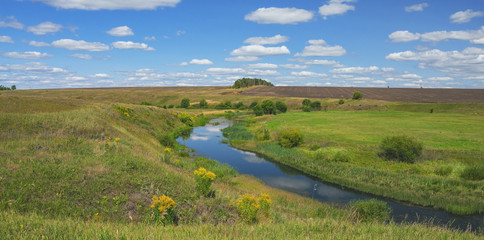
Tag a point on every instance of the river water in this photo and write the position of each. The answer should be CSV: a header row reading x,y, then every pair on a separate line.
x,y
207,142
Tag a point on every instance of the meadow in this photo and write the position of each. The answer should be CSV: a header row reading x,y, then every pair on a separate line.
x,y
85,164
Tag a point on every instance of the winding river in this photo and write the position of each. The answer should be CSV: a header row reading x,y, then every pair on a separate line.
x,y
207,142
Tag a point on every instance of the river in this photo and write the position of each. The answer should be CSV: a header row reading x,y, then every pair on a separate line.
x,y
207,142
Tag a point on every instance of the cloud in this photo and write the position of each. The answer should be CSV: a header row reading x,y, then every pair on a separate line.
x,y
33,67
266,40
80,45
465,16
308,74
82,56
131,45
6,39
478,41
262,66
38,44
26,55
44,28
335,7
180,32
111,4
151,38
242,59
121,31
224,71
323,62
466,63
279,15
294,66
319,48
12,23
259,50
355,70
416,7
473,36
201,62
100,75
403,36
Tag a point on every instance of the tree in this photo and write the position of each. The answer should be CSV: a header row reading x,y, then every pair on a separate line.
x,y
185,103
258,110
290,138
13,87
316,105
282,107
357,95
268,107
247,82
306,102
401,148
203,103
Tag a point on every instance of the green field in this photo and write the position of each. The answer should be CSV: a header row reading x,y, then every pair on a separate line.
x,y
78,164
450,140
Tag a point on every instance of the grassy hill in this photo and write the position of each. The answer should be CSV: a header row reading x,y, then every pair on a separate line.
x,y
85,164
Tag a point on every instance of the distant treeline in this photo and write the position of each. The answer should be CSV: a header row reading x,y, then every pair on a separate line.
x,y
247,82
7,88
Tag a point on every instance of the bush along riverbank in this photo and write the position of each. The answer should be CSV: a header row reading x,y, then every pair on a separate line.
x,y
334,164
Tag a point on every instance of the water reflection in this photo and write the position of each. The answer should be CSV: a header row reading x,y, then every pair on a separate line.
x,y
206,142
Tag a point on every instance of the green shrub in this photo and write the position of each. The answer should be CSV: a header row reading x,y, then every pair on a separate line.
x,y
171,106
263,134
401,148
268,107
473,172
185,103
146,103
306,102
239,105
371,210
258,110
306,109
290,138
357,95
281,106
341,101
316,105
341,156
203,181
203,103
443,171
166,140
252,105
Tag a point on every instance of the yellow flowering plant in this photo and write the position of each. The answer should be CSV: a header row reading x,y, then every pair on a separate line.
x,y
163,209
248,206
203,180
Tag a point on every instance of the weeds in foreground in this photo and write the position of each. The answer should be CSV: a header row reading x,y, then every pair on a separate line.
x,y
163,209
203,180
249,205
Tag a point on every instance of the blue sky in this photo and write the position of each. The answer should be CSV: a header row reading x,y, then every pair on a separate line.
x,y
118,43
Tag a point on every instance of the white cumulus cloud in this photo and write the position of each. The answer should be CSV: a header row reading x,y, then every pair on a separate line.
x,y
416,7
111,4
355,70
12,23
266,40
201,62
336,7
262,66
242,59
121,31
45,28
319,48
465,16
27,55
403,36
82,56
38,44
259,50
131,45
6,39
80,45
279,15
308,74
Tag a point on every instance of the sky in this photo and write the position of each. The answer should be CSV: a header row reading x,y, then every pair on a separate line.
x,y
340,43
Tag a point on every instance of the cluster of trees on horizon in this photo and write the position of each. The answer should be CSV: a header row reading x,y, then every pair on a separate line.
x,y
13,87
248,82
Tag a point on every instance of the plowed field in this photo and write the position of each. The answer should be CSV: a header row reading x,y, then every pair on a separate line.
x,y
416,95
